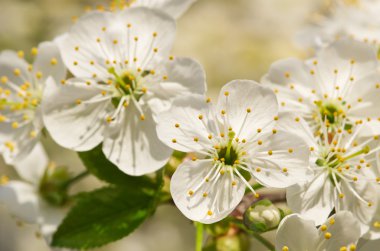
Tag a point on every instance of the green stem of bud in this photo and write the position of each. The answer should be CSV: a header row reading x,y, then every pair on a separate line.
x,y
199,236
76,178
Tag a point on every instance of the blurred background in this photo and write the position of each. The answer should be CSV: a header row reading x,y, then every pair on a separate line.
x,y
232,39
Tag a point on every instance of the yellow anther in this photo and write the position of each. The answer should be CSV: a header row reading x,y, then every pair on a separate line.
x,y
248,110
136,39
200,116
332,221
209,212
10,146
223,112
208,100
75,63
290,150
98,40
15,125
209,136
4,180
327,235
33,134
243,141
4,79
352,247
174,140
258,169
20,54
259,142
204,195
369,204
275,118
129,25
234,183
115,41
343,249
226,94
142,117
274,131
287,75
78,101
17,72
285,248
270,152
176,125
341,195
323,228
285,170
194,158
154,34
258,130
196,139
34,51
53,61
190,192
257,195
171,58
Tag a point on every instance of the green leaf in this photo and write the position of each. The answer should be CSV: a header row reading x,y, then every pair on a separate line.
x,y
98,165
106,215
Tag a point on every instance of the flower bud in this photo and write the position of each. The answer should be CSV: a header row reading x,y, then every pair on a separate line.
x,y
236,242
262,216
53,186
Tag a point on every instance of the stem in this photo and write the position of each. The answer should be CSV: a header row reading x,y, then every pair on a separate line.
x,y
76,178
199,236
263,241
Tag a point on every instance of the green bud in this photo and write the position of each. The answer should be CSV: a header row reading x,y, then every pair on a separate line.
x,y
218,228
238,242
53,185
262,216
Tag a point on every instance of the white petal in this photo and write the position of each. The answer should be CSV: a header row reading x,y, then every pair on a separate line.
x,y
278,151
338,56
21,200
9,62
243,95
314,200
221,199
185,114
344,231
49,62
297,234
133,145
185,76
117,42
174,8
360,210
33,166
49,219
72,125
374,231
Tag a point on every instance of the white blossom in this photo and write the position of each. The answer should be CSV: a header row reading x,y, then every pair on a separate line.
x,y
339,233
340,83
21,89
124,78
233,141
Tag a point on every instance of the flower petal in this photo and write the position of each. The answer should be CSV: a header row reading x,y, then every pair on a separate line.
x,y
99,39
282,158
297,234
185,76
213,200
344,232
74,113
21,200
361,210
49,62
342,60
32,167
14,68
314,200
173,8
133,145
248,107
187,120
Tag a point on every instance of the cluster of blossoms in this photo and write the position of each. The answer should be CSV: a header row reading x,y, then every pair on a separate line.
x,y
311,127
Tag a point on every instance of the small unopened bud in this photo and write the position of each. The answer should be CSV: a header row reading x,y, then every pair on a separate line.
x,y
235,242
53,185
262,216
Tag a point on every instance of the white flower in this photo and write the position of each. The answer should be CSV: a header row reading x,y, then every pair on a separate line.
x,y
345,171
359,21
174,8
342,81
21,90
23,198
339,232
231,142
124,79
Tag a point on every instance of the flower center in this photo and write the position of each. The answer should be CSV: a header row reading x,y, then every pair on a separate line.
x,y
331,112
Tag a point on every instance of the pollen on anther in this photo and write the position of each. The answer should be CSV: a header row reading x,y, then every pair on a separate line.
x,y
327,235
190,192
200,116
285,248
204,195
174,140
53,61
270,152
209,212
142,117
323,228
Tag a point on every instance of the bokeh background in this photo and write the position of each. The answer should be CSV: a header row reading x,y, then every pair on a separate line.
x,y
232,39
